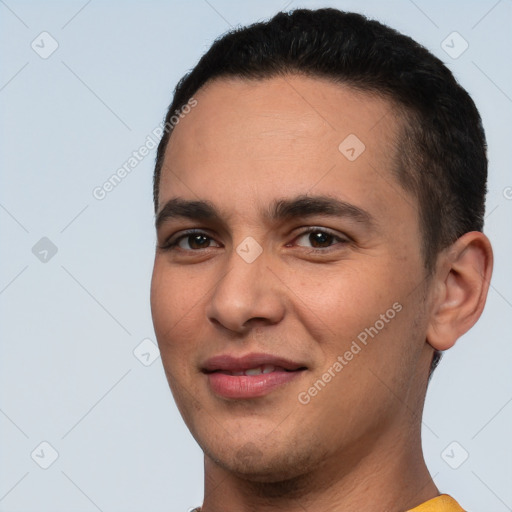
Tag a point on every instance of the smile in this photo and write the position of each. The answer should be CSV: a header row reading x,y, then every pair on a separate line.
x,y
259,370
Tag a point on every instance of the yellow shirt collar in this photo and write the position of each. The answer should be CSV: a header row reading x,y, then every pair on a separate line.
x,y
442,503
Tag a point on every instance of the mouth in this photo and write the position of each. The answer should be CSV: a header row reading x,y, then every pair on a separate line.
x,y
250,376
258,370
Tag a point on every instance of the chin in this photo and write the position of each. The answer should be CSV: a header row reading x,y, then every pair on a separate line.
x,y
261,464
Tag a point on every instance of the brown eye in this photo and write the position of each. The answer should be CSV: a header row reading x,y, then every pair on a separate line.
x,y
196,241
318,239
191,241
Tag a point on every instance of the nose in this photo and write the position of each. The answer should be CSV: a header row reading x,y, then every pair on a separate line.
x,y
247,293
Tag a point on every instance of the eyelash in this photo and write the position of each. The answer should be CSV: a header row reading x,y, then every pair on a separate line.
x,y
173,244
316,229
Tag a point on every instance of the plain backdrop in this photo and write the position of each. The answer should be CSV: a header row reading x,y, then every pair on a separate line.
x,y
82,85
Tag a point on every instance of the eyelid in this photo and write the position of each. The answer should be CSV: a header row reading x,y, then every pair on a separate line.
x,y
175,238
173,241
341,237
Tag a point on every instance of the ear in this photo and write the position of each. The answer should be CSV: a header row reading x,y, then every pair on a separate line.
x,y
460,287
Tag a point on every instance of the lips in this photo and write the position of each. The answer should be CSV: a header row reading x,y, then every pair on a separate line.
x,y
253,363
259,370
250,376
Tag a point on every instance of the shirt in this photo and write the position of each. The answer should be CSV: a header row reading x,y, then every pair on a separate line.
x,y
442,503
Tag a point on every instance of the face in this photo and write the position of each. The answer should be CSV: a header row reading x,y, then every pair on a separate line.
x,y
287,247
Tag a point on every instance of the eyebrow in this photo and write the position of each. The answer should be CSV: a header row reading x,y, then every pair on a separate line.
x,y
186,209
308,206
282,209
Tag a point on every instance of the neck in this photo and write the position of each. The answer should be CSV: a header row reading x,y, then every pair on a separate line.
x,y
389,471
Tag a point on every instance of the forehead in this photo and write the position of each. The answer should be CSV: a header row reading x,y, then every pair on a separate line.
x,y
293,134
288,108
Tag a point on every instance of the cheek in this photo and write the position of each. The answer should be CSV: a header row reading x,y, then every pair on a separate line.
x,y
342,299
173,292
365,312
173,305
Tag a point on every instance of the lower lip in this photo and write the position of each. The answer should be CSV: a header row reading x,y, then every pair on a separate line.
x,y
249,386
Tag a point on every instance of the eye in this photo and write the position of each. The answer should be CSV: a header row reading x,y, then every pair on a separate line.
x,y
191,241
319,238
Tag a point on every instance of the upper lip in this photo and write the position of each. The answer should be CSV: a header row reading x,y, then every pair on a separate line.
x,y
229,362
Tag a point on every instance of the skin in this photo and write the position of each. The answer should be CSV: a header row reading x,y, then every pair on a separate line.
x,y
356,445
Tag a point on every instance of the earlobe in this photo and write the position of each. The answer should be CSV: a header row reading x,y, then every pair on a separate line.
x,y
460,289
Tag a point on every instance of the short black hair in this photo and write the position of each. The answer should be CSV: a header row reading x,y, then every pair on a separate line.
x,y
441,151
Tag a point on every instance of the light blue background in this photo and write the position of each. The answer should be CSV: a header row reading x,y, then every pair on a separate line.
x,y
69,326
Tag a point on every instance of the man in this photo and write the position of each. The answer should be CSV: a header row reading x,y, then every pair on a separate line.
x,y
319,209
